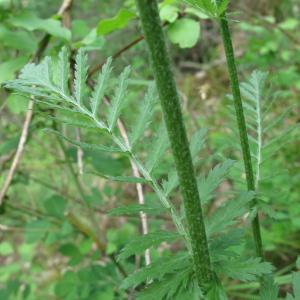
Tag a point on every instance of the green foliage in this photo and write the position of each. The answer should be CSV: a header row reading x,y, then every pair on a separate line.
x,y
134,209
269,289
184,32
267,137
18,40
44,255
120,21
144,242
144,118
207,185
53,92
170,289
226,215
257,104
118,100
296,287
169,13
8,68
157,270
29,21
212,8
98,94
244,270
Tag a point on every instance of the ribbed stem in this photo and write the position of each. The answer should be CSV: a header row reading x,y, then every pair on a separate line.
x,y
170,103
235,86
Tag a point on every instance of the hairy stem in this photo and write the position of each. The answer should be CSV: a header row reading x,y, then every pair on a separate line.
x,y
170,103
235,86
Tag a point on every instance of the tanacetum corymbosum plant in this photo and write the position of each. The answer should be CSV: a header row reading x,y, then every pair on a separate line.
x,y
169,277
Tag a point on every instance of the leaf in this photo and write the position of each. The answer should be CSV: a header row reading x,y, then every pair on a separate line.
x,y
171,183
144,117
17,103
158,149
29,21
158,269
91,41
212,8
99,90
257,101
196,12
269,289
73,118
147,241
168,288
134,209
119,98
10,67
120,21
197,142
244,270
226,215
207,185
9,144
81,68
289,24
69,250
67,285
298,262
6,248
221,246
278,119
296,285
118,237
55,206
127,179
216,292
39,75
169,13
64,70
87,146
184,32
36,230
20,40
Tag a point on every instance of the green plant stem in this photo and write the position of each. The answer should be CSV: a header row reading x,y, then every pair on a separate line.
x,y
235,86
170,103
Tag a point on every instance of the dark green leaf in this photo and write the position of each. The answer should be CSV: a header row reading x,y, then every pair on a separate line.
x,y
120,21
144,242
184,32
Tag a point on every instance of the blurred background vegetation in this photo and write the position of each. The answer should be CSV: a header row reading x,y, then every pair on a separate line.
x,y
47,254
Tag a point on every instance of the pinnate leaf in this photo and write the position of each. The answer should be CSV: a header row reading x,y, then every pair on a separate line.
x,y
226,215
102,82
244,270
147,241
81,68
208,184
144,117
158,269
119,98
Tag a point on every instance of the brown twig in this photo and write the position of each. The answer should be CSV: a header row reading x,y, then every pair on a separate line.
x,y
79,153
20,149
19,152
96,68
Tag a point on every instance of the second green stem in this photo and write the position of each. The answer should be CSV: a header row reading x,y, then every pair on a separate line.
x,y
235,86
